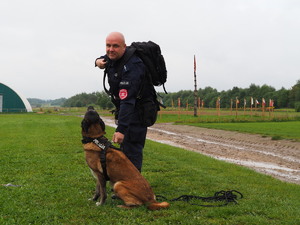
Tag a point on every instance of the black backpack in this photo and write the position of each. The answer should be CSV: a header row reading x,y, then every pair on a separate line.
x,y
150,53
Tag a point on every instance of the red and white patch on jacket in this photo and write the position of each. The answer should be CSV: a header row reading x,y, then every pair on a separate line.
x,y
123,94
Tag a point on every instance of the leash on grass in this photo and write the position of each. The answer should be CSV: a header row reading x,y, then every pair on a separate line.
x,y
220,196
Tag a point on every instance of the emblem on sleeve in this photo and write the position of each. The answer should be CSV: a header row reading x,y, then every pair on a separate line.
x,y
123,94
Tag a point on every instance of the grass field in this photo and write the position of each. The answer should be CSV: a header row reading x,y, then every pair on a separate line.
x,y
212,117
279,127
42,153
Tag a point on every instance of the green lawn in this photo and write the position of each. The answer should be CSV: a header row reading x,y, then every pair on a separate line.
x,y
43,154
281,129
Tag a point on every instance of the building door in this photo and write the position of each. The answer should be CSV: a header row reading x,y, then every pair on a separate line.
x,y
1,102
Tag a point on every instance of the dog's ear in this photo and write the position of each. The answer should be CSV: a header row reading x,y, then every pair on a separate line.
x,y
85,125
102,124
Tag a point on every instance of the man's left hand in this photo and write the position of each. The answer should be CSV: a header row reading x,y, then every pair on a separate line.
x,y
118,137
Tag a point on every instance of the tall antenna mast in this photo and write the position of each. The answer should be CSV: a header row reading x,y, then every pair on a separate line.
x,y
195,91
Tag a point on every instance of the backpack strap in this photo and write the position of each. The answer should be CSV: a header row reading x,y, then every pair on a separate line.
x,y
127,55
104,77
164,90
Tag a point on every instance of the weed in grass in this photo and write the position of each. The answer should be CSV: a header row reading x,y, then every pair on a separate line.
x,y
276,137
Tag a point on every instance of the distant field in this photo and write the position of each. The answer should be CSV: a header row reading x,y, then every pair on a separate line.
x,y
42,155
279,126
206,114
286,130
213,115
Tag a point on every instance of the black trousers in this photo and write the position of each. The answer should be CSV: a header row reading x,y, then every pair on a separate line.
x,y
133,144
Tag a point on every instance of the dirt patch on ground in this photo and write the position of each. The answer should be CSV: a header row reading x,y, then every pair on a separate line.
x,y
278,158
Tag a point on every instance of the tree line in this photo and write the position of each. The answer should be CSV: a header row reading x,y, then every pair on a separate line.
x,y
36,102
282,98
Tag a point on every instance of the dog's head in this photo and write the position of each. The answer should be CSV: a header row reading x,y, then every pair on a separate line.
x,y
92,125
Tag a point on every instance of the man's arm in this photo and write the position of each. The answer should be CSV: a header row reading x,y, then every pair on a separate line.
x,y
100,62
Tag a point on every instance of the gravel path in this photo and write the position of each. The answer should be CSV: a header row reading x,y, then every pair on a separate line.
x,y
280,158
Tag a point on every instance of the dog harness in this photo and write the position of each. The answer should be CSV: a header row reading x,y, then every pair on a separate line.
x,y
103,143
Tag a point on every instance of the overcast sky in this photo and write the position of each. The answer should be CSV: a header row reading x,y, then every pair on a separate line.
x,y
48,47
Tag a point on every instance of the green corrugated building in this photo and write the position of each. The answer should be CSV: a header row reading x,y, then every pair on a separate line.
x,y
11,101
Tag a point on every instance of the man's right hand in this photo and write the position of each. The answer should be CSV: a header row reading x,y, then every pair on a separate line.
x,y
101,63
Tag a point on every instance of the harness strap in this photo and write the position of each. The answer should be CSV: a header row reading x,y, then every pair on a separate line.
x,y
104,148
104,144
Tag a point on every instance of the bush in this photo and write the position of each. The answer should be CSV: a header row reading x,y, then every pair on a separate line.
x,y
297,106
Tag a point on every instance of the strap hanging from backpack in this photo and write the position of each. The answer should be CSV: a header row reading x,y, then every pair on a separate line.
x,y
104,77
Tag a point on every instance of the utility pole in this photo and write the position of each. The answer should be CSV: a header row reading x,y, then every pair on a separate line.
x,y
195,91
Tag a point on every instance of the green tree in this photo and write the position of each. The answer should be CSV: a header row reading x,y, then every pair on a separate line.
x,y
81,100
209,95
294,95
253,90
281,98
104,101
225,99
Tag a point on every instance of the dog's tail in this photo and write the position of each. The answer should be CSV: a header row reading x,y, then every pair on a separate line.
x,y
158,205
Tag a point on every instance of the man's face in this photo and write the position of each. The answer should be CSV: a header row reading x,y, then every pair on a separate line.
x,y
115,47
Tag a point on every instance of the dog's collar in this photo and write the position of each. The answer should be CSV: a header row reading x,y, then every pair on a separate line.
x,y
86,140
101,141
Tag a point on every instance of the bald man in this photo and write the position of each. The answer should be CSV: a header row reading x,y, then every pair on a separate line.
x,y
115,48
128,85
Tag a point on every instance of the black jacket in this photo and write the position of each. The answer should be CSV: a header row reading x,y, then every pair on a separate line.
x,y
128,85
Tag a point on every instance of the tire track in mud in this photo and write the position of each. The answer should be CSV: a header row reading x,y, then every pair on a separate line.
x,y
280,159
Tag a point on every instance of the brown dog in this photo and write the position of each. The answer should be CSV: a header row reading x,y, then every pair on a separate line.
x,y
127,182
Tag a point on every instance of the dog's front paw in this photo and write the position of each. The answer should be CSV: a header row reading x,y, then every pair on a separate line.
x,y
99,203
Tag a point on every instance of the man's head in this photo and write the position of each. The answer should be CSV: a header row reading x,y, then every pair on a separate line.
x,y
115,45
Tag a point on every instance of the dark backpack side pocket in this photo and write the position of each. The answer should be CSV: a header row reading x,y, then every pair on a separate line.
x,y
147,109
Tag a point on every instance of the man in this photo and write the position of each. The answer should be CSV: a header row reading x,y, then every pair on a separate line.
x,y
125,87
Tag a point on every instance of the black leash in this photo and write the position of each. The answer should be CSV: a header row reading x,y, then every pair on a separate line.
x,y
220,196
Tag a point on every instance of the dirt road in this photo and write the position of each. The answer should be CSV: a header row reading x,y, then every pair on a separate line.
x,y
280,158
